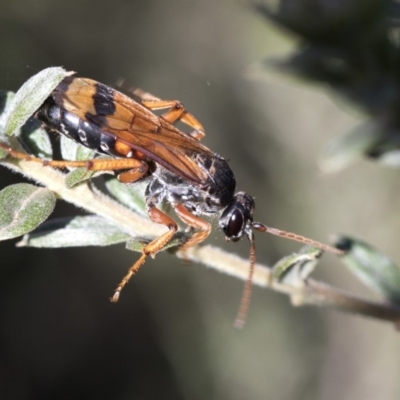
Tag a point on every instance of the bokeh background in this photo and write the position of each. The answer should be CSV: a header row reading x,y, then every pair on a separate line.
x,y
171,334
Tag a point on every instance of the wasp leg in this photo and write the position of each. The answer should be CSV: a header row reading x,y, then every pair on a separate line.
x,y
134,174
203,227
138,168
175,113
152,248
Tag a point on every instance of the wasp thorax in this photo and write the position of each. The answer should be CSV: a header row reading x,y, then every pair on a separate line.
x,y
237,217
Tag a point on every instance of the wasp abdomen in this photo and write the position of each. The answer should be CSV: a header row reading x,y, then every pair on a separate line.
x,y
83,132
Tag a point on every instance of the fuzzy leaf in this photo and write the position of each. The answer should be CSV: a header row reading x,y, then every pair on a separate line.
x,y
71,150
5,100
77,176
82,231
373,268
390,158
31,96
131,196
36,140
22,208
3,153
311,64
32,137
353,145
137,244
295,268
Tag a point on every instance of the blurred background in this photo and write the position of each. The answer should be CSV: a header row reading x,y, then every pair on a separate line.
x,y
171,336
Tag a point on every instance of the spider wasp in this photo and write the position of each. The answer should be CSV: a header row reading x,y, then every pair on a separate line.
x,y
179,169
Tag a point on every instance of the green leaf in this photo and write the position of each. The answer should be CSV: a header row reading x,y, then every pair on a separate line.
x,y
137,244
36,140
131,196
33,138
71,150
390,158
82,231
77,176
296,268
324,23
352,146
373,268
5,100
311,64
22,208
31,96
3,153
80,175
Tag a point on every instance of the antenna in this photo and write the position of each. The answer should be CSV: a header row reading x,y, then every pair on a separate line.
x,y
298,238
244,306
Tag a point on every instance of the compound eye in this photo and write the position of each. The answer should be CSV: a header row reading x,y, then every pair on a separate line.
x,y
235,224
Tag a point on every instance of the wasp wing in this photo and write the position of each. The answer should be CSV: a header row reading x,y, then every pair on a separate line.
x,y
132,124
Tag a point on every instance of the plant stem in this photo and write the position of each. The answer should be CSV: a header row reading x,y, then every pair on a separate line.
x,y
309,292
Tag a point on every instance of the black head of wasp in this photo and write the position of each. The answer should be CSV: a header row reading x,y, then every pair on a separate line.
x,y
179,169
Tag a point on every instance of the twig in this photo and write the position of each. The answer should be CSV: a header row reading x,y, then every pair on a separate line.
x,y
311,292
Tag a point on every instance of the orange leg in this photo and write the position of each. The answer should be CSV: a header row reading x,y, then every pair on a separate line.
x,y
134,174
152,248
158,244
203,227
175,113
137,168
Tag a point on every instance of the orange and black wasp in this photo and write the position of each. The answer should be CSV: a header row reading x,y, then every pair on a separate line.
x,y
180,170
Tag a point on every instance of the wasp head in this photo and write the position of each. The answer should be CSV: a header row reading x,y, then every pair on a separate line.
x,y
237,218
